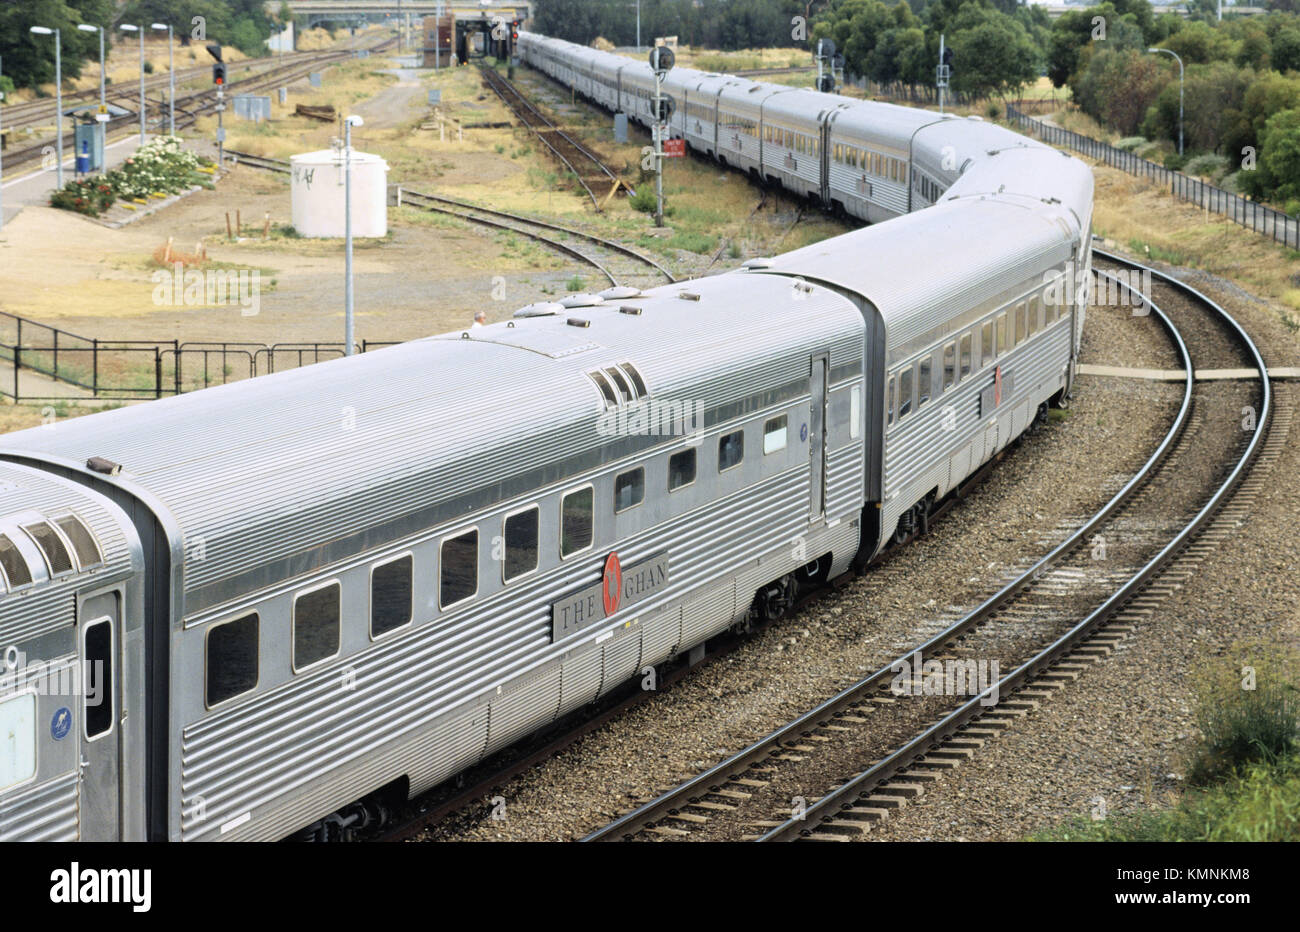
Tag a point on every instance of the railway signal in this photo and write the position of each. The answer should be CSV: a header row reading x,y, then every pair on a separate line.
x,y
826,59
219,79
661,108
943,71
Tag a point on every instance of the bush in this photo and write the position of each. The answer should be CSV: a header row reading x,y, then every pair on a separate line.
x,y
148,67
644,200
1247,713
993,110
1293,208
1208,165
576,283
91,196
1131,143
1174,161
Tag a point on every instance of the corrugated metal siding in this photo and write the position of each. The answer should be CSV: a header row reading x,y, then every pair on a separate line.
x,y
47,812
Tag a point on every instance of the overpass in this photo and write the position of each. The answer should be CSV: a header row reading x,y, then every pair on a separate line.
x,y
351,10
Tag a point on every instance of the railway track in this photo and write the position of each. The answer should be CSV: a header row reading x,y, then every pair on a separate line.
x,y
597,179
191,106
861,756
618,263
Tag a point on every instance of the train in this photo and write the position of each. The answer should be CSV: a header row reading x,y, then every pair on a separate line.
x,y
276,608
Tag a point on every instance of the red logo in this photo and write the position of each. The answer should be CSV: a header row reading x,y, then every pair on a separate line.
x,y
612,587
997,386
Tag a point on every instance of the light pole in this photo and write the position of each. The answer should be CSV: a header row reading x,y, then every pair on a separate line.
x,y
2,159
638,25
58,98
171,81
1180,94
347,229
86,27
129,28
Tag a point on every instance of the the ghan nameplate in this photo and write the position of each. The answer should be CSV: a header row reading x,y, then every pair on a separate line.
x,y
620,586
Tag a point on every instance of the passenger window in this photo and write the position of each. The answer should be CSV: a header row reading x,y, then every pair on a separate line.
x,y
1002,334
629,489
889,402
83,542
855,412
51,546
924,381
98,653
390,595
1020,324
1049,312
15,567
731,450
1033,315
986,343
521,543
315,626
774,435
949,365
231,659
965,356
458,558
576,521
681,469
904,392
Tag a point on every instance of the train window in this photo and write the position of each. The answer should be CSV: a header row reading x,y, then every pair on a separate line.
x,y
949,365
855,412
52,548
889,401
521,533
629,489
1002,334
905,379
986,343
965,356
15,568
97,653
83,542
316,625
231,659
458,568
1049,312
1033,315
774,435
391,595
576,521
1020,323
731,450
924,381
611,398
681,469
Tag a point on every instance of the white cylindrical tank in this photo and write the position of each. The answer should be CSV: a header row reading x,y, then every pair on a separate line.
x,y
317,193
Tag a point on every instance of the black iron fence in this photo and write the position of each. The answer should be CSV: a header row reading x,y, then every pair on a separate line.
x,y
1250,214
43,363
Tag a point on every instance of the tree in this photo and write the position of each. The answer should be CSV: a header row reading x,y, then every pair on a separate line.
x,y
1278,172
1286,49
28,58
992,53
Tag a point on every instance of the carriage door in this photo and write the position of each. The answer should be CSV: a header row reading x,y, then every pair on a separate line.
x,y
817,439
99,639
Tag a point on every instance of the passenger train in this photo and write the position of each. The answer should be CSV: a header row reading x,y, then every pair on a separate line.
x,y
260,610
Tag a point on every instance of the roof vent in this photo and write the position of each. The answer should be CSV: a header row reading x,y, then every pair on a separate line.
x,y
101,465
578,322
621,293
630,309
762,262
540,309
582,300
688,296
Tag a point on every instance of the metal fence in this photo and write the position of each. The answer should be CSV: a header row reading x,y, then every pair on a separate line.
x,y
40,363
1250,214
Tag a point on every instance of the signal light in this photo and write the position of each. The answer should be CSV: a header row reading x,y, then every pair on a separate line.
x,y
219,73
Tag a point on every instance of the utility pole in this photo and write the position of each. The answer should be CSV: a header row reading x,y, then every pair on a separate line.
x,y
171,81
1180,93
2,157
347,230
943,72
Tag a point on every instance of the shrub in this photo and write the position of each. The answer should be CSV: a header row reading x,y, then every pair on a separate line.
x,y
90,196
1131,143
576,283
1174,161
1208,165
993,110
644,200
1293,208
1248,712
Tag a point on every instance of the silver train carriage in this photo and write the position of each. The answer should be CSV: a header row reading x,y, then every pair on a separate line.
x,y
328,586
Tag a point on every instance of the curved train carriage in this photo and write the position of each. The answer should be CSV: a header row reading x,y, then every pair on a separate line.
x,y
302,594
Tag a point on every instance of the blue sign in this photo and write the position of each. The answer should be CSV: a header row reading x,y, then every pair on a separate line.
x,y
61,724
803,432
